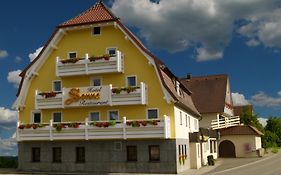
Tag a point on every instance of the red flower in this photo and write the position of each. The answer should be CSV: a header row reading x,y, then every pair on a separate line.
x,y
21,126
144,123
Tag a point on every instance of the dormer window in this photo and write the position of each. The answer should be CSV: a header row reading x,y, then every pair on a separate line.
x,y
72,55
96,31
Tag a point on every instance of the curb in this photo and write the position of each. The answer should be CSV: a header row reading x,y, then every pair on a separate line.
x,y
241,166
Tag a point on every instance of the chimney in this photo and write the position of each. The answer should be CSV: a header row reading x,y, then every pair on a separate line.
x,y
188,76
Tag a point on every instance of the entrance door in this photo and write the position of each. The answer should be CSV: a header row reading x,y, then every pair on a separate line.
x,y
227,149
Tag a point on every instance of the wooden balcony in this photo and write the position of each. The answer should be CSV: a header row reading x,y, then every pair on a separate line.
x,y
88,65
225,122
92,96
89,130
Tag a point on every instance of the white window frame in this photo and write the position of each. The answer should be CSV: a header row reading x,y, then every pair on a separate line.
x,y
93,112
53,87
53,116
32,115
93,78
127,85
107,49
180,118
68,56
113,110
186,120
152,109
92,31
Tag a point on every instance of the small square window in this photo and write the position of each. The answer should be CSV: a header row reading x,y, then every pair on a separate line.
x,y
132,81
37,117
80,154
57,116
72,55
113,115
96,82
57,86
132,154
152,113
154,153
35,154
96,31
57,154
94,116
111,51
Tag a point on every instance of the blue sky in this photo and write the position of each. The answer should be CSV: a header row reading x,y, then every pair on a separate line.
x,y
241,39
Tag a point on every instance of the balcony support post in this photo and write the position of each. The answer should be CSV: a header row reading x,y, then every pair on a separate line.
x,y
86,61
86,129
124,128
57,63
143,93
110,95
166,127
17,132
51,130
119,64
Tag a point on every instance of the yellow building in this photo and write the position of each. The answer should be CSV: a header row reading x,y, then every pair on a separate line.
x,y
95,99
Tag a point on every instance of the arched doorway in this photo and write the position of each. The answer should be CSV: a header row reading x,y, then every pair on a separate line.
x,y
227,149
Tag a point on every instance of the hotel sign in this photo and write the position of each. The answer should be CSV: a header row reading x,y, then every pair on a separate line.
x,y
86,96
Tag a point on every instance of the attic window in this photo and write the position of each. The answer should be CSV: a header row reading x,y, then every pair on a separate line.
x,y
96,31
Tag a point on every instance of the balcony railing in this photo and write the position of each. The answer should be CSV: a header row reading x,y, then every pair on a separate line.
x,y
225,122
89,130
88,65
92,96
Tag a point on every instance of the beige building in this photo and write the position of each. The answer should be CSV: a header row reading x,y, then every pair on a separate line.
x,y
240,141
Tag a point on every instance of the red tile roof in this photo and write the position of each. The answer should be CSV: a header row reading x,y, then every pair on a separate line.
x,y
240,130
208,92
98,13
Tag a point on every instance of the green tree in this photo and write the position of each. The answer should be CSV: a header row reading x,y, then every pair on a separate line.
x,y
248,118
272,136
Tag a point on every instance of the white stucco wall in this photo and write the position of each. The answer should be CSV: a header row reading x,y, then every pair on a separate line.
x,y
258,142
195,156
243,141
184,124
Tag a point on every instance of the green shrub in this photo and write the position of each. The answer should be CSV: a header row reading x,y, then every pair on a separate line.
x,y
274,150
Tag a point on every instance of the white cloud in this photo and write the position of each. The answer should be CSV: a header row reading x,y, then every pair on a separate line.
x,y
32,56
239,99
205,25
264,28
14,78
261,99
263,121
3,54
18,59
8,146
253,43
8,116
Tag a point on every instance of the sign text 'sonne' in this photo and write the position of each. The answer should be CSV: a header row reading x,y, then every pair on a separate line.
x,y
75,95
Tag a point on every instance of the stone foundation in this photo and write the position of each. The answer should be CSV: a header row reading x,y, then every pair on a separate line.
x,y
101,156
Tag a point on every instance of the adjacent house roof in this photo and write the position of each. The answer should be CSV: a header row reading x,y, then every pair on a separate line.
x,y
100,13
240,130
208,92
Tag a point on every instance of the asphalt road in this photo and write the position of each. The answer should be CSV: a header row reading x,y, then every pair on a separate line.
x,y
270,166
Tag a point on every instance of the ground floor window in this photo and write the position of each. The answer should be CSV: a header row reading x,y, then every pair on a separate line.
x,y
154,153
211,146
80,154
132,154
35,157
57,154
